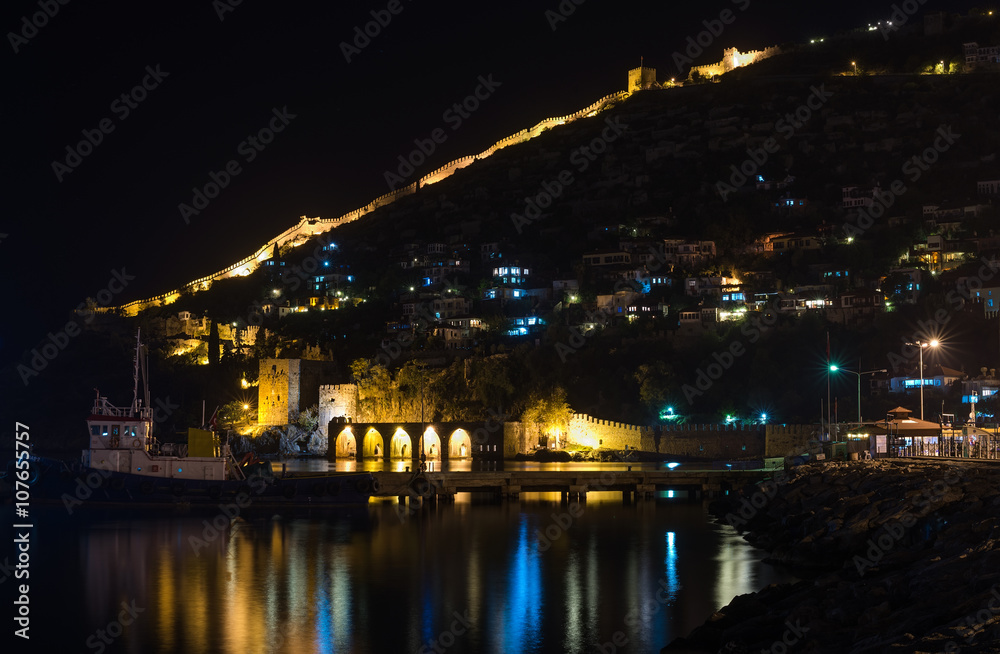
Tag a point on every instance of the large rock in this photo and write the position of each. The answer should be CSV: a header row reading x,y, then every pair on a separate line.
x,y
908,553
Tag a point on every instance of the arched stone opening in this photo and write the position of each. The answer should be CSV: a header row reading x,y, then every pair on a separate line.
x,y
374,447
346,445
460,445
401,446
432,444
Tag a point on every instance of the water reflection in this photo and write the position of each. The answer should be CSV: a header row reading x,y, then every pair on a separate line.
x,y
472,575
318,464
522,605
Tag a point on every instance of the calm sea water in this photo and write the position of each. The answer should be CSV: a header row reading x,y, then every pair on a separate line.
x,y
316,464
472,576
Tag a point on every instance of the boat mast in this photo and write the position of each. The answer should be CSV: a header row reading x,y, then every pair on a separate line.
x,y
139,361
145,377
135,376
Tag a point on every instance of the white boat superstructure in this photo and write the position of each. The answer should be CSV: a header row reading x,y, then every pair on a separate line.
x,y
121,440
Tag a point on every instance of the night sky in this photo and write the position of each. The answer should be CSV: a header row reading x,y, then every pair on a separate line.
x,y
224,70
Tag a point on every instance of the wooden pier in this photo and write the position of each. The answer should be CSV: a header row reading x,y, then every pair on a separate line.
x,y
640,484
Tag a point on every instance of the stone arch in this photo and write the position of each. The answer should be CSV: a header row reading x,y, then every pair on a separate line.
x,y
432,444
374,446
459,445
346,445
401,445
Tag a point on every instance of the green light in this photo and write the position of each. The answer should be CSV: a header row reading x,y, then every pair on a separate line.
x,y
834,368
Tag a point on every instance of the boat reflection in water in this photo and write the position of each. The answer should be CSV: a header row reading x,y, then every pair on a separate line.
x,y
472,576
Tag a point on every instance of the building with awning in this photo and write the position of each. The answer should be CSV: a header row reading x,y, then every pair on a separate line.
x,y
898,434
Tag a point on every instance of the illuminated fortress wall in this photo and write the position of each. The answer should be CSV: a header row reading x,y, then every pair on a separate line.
x,y
591,432
732,59
307,228
713,441
310,227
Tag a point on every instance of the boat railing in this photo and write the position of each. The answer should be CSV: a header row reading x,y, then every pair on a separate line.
x,y
104,408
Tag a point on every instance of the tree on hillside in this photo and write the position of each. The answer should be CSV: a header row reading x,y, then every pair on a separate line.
x,y
375,391
213,347
491,383
232,414
550,414
450,391
412,393
654,381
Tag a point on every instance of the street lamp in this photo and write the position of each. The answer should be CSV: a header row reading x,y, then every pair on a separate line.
x,y
835,368
922,345
855,64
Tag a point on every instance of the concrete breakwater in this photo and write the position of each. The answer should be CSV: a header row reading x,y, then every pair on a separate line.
x,y
895,555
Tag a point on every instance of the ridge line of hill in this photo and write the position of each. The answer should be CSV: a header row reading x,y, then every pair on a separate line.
x,y
308,228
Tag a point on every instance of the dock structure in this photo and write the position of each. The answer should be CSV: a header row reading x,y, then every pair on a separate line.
x,y
573,485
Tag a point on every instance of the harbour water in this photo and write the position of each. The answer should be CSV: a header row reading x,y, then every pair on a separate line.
x,y
476,575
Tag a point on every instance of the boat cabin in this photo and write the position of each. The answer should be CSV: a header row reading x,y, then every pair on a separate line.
x,y
121,440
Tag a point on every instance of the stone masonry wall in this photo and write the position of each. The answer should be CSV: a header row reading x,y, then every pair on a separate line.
x,y
713,441
515,439
286,387
708,441
337,401
787,440
273,391
591,432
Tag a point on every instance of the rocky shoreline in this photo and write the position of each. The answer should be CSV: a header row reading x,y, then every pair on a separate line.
x,y
895,555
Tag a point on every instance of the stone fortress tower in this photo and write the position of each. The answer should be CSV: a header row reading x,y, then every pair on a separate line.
x,y
286,387
641,78
337,401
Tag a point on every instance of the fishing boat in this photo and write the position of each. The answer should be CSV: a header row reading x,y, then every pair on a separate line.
x,y
125,463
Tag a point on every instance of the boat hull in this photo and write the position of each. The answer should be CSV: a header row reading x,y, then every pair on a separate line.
x,y
75,485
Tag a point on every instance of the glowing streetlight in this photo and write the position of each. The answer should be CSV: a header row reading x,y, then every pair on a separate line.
x,y
855,64
922,345
835,368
